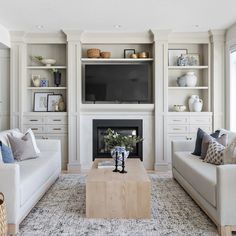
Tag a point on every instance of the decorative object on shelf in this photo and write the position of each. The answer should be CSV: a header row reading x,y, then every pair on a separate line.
x,y
53,101
174,54
57,77
93,53
36,80
128,52
197,105
45,61
134,55
44,83
61,105
191,101
41,101
105,54
189,79
181,61
179,108
192,59
143,55
3,216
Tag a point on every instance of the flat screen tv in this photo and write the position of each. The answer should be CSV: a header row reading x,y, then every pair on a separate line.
x,y
117,83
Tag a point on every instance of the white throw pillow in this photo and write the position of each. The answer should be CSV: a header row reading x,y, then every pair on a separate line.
x,y
230,153
231,135
19,135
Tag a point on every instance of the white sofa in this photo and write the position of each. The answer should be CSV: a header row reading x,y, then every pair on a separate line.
x,y
212,187
24,183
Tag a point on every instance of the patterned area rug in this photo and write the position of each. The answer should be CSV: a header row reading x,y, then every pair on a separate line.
x,y
62,212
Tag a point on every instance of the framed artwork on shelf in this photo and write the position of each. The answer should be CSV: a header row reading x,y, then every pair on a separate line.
x,y
174,54
53,102
41,101
128,52
192,59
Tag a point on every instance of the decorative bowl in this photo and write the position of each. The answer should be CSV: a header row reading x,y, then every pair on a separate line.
x,y
179,108
105,54
143,55
48,62
93,53
134,55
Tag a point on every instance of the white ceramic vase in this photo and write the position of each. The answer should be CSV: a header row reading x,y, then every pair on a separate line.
x,y
191,79
197,105
191,100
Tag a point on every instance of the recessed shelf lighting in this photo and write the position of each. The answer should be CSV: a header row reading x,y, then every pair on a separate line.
x,y
39,27
117,26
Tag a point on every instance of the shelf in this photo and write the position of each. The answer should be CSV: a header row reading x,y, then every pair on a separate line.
x,y
45,67
186,88
116,59
187,67
47,88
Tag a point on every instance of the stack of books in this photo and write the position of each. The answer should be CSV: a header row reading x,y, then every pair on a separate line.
x,y
106,164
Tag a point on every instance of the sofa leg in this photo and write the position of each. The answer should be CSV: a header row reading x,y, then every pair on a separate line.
x,y
13,229
225,231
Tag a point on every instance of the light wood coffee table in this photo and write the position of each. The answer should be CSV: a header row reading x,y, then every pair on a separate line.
x,y
115,195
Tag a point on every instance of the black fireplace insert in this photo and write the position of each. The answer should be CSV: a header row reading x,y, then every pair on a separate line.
x,y
124,127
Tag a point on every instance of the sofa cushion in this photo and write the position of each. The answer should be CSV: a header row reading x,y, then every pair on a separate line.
x,y
200,175
231,135
35,172
4,138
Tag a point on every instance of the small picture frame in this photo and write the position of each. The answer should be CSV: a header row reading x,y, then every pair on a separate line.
x,y
41,101
174,54
128,52
53,101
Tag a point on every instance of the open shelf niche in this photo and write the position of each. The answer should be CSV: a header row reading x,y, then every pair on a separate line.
x,y
180,95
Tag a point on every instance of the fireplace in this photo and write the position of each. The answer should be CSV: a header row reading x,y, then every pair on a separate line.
x,y
125,127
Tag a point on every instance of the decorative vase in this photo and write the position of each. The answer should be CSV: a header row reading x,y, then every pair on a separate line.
x,y
61,105
181,81
57,78
191,100
182,61
36,81
191,79
119,151
197,105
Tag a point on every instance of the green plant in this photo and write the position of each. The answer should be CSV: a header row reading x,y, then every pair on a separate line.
x,y
113,139
37,58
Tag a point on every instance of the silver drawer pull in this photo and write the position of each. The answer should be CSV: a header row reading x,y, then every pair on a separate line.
x,y
34,128
176,129
34,120
56,128
177,120
56,120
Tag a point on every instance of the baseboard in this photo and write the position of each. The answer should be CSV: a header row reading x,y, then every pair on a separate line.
x,y
162,167
73,167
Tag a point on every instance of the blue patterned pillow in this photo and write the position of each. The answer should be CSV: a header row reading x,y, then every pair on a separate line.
x,y
7,155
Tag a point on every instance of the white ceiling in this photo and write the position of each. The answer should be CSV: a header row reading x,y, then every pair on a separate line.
x,y
132,15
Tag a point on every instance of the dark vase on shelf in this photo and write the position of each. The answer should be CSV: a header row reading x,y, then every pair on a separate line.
x,y
57,78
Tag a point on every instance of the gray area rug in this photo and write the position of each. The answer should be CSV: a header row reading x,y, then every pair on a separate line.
x,y
62,212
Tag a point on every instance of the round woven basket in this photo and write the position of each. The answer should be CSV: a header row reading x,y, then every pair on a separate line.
x,y
93,53
3,216
105,54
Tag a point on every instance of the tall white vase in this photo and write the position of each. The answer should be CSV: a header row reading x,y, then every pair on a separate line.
x,y
197,105
191,79
191,100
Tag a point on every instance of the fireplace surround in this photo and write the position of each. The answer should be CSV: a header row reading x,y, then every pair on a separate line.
x,y
125,127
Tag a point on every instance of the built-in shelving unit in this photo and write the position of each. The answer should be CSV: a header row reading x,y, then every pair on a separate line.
x,y
187,88
46,67
187,67
47,88
116,60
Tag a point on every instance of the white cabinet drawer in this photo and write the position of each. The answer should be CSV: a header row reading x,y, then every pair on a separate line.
x,y
35,128
51,120
56,129
31,120
178,129
200,120
206,128
181,120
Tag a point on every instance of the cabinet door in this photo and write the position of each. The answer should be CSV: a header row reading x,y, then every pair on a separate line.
x,y
171,138
64,147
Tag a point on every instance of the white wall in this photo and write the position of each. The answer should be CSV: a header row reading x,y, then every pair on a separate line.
x,y
86,141
4,37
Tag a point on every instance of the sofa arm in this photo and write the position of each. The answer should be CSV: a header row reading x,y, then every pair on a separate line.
x,y
49,145
226,194
10,187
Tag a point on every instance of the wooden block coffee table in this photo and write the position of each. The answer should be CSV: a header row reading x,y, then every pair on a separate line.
x,y
115,195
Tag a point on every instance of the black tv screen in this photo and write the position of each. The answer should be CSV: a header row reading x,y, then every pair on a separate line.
x,y
117,83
